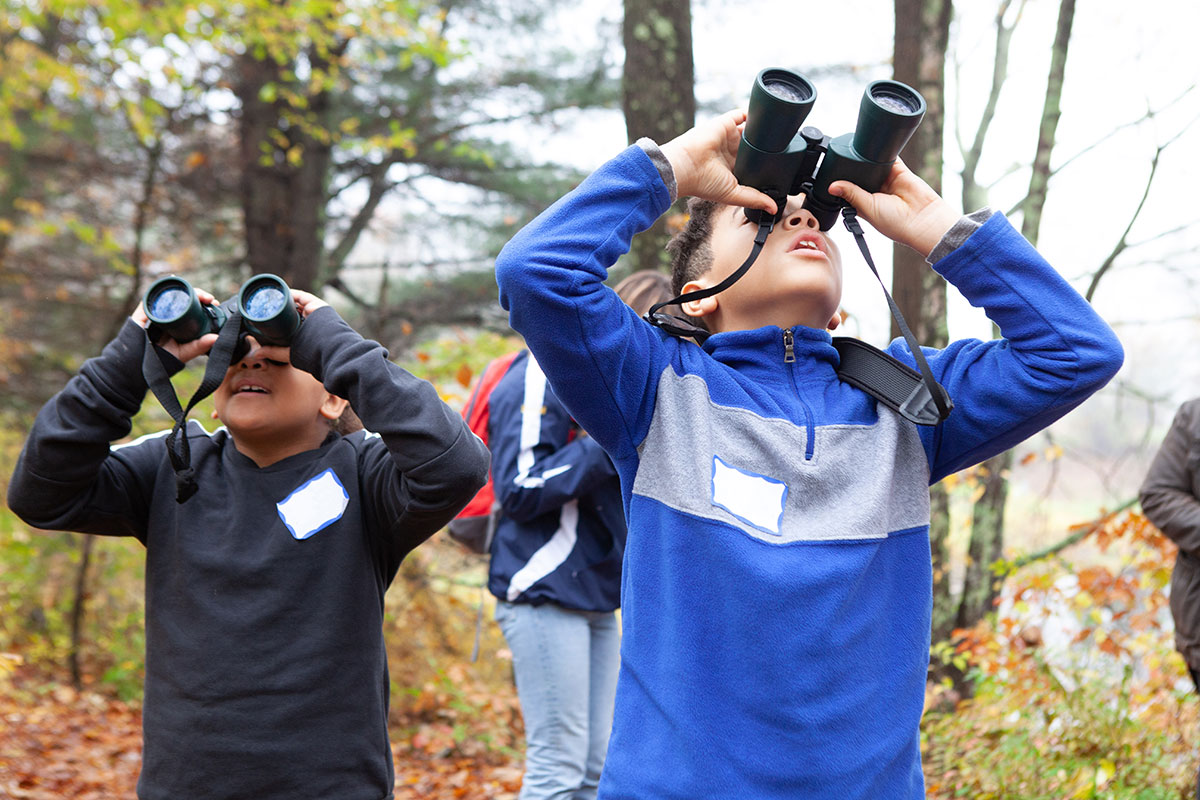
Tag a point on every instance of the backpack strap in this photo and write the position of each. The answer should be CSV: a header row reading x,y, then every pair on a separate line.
x,y
891,382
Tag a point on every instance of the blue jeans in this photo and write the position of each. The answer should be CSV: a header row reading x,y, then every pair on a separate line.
x,y
566,666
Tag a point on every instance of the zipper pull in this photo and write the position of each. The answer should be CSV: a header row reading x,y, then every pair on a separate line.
x,y
789,347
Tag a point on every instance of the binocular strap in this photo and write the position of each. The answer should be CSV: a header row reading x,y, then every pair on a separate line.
x,y
220,357
677,326
910,405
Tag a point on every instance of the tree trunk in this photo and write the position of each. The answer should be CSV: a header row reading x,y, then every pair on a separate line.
x,y
980,586
922,34
657,93
284,174
78,607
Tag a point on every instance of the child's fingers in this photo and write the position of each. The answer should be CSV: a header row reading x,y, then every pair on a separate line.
x,y
735,116
197,347
746,197
308,302
852,194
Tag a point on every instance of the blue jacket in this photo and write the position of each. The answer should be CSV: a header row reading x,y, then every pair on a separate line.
x,y
777,586
561,532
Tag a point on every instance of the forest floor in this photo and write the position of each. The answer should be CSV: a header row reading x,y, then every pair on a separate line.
x,y
61,744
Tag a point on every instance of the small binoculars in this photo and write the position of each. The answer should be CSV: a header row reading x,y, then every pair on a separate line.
x,y
779,158
264,302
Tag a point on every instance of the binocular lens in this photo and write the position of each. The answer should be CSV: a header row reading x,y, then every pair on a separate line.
x,y
169,304
892,97
173,308
778,86
268,311
264,302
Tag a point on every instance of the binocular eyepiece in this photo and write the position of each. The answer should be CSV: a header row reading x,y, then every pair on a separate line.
x,y
780,158
267,311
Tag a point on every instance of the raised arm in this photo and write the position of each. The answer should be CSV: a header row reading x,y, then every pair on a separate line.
x,y
66,477
431,465
601,359
1055,352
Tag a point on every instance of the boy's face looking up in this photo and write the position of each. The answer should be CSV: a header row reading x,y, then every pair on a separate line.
x,y
796,280
272,409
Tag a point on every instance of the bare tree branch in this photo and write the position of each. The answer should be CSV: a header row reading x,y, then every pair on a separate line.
x,y
971,194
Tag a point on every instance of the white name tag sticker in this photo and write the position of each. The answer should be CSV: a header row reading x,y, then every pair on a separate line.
x,y
755,499
314,505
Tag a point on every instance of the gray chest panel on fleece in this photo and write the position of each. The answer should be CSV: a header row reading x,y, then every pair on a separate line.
x,y
735,466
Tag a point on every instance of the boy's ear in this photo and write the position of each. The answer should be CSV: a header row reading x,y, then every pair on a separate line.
x,y
333,406
702,307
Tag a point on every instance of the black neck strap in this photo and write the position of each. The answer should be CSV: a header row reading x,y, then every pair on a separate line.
x,y
220,357
679,326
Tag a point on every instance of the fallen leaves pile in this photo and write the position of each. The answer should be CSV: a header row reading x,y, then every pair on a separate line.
x,y
59,743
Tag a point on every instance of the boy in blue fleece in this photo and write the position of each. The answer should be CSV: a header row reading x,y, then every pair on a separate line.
x,y
777,581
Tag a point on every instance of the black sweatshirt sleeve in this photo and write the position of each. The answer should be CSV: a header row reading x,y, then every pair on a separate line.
x,y
66,477
431,464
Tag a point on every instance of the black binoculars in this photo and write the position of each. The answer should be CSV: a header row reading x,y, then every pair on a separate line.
x,y
264,303
779,158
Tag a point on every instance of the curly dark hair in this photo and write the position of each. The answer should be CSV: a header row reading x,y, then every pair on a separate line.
x,y
691,253
690,249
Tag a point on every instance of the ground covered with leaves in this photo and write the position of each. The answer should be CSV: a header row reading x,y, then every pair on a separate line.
x,y
56,743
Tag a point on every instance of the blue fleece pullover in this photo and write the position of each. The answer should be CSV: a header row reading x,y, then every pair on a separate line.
x,y
776,590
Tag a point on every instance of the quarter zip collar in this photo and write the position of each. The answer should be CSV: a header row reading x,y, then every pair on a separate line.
x,y
761,352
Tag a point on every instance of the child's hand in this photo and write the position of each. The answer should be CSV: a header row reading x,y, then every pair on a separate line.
x,y
905,209
186,351
703,157
307,303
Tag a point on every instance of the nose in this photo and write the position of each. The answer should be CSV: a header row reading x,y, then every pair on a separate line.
x,y
796,217
254,358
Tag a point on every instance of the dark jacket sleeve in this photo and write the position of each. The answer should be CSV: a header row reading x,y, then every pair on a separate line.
x,y
537,465
67,478
431,465
1169,493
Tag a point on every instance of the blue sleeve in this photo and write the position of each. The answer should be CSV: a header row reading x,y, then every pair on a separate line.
x,y
1054,353
536,466
601,358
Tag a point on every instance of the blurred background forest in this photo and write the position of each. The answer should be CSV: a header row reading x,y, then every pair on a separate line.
x,y
380,153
